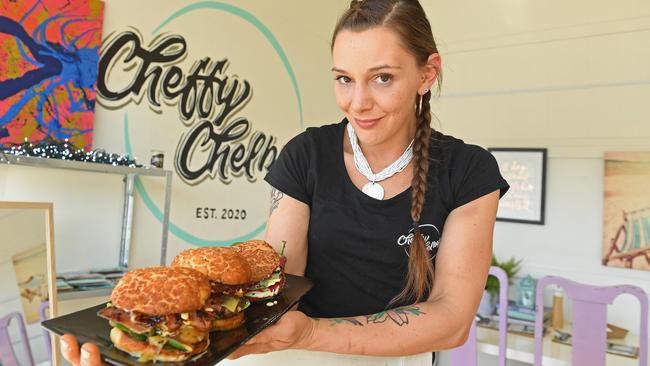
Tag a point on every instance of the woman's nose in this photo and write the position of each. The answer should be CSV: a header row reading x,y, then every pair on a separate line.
x,y
361,99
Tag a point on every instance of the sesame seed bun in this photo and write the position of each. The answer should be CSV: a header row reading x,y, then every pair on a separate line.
x,y
161,291
221,264
261,257
147,352
229,323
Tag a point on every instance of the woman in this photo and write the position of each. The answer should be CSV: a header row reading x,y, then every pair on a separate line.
x,y
393,220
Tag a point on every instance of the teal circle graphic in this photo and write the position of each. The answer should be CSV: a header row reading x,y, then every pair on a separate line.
x,y
250,18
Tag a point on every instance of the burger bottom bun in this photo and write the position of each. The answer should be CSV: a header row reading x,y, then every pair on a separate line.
x,y
139,349
228,323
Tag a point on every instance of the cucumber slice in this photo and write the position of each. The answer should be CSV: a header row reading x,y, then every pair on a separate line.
x,y
244,304
178,345
123,328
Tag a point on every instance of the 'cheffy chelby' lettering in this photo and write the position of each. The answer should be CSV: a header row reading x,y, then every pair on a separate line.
x,y
207,99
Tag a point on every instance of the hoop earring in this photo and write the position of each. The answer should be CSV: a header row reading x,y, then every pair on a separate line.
x,y
420,102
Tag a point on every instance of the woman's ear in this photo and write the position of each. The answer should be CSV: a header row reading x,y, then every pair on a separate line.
x,y
430,71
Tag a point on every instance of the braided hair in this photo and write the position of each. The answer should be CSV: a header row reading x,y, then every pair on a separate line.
x,y
408,20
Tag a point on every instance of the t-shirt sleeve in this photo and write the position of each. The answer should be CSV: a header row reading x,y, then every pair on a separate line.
x,y
290,172
475,174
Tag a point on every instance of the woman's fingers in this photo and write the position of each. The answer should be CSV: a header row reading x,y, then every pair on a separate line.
x,y
90,355
248,349
70,349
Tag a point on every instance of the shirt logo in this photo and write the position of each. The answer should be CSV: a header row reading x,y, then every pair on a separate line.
x,y
431,236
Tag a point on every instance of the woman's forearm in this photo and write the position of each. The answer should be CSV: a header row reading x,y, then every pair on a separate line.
x,y
408,330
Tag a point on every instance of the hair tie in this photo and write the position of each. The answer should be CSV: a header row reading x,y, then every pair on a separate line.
x,y
416,226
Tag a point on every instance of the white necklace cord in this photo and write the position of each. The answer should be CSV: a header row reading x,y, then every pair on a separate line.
x,y
373,189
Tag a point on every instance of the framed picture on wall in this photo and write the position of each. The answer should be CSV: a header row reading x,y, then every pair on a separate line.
x,y
626,210
525,171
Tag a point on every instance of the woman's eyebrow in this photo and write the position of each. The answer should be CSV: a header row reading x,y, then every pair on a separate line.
x,y
375,68
381,67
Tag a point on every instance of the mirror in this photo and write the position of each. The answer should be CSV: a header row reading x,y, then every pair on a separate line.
x,y
27,280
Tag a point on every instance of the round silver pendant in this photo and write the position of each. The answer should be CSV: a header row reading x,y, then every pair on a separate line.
x,y
374,190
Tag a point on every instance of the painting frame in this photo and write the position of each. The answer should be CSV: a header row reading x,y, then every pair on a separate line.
x,y
533,160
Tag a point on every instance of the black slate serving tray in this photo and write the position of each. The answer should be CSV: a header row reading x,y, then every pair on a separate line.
x,y
88,327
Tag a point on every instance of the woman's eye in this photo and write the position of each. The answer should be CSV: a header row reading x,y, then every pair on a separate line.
x,y
384,78
342,79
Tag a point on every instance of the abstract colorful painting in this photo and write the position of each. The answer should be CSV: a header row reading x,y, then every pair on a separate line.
x,y
49,51
626,224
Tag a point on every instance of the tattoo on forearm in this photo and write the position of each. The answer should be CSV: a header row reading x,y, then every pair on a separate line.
x,y
399,316
352,321
276,196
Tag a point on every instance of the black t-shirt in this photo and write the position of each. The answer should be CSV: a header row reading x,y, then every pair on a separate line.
x,y
357,245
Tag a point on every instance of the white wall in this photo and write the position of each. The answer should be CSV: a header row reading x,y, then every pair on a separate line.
x,y
87,211
569,76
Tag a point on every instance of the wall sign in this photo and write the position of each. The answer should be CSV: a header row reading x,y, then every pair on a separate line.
x,y
208,85
525,170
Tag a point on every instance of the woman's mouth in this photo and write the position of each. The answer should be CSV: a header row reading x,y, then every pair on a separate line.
x,y
366,123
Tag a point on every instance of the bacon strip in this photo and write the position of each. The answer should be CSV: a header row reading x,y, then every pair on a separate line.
x,y
141,323
221,289
124,317
201,321
171,323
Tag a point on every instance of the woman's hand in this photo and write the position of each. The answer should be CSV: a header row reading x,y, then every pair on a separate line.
x,y
293,330
88,356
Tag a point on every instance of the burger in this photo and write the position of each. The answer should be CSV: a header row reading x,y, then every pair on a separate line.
x,y
229,274
157,314
267,267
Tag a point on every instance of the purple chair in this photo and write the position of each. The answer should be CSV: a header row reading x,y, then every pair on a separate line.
x,y
589,330
42,316
465,355
7,354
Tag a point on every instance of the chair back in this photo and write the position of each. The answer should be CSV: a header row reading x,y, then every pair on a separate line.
x,y
465,355
7,354
43,316
589,329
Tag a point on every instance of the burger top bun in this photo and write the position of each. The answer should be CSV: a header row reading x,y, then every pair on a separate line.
x,y
222,265
261,257
161,291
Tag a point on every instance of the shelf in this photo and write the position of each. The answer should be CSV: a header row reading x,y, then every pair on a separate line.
x,y
129,174
79,165
522,348
81,294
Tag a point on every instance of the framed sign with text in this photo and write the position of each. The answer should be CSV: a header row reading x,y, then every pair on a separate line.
x,y
525,170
